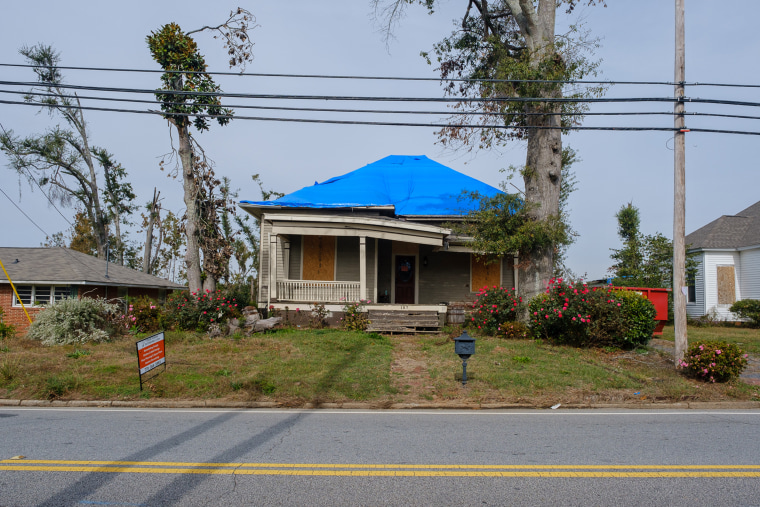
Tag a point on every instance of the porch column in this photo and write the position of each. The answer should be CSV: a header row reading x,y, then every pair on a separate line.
x,y
273,266
362,267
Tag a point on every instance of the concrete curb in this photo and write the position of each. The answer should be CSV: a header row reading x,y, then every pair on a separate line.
x,y
180,404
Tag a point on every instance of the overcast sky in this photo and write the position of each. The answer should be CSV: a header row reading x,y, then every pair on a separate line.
x,y
339,37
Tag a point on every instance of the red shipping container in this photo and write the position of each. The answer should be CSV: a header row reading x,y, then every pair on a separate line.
x,y
659,298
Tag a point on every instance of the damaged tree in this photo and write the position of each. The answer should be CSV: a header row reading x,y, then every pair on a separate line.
x,y
190,94
506,58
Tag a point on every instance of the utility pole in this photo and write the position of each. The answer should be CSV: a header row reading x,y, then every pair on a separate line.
x,y
679,187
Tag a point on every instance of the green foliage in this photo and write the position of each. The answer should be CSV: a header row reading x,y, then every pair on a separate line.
x,y
177,53
6,330
198,310
354,319
644,260
74,320
601,317
78,353
318,317
514,330
145,315
63,163
493,308
714,361
501,225
748,309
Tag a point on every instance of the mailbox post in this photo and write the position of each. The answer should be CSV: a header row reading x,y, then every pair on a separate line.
x,y
464,347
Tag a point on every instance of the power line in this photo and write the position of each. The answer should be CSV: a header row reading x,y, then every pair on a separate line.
x,y
334,110
382,78
375,123
339,97
24,213
389,111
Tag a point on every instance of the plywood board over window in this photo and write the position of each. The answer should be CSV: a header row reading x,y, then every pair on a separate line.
x,y
486,271
726,285
319,258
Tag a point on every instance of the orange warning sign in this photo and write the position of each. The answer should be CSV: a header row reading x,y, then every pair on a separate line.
x,y
151,352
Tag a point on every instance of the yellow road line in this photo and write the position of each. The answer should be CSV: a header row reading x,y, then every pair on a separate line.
x,y
386,470
382,466
377,473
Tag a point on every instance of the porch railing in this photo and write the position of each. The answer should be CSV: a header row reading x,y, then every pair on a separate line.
x,y
317,291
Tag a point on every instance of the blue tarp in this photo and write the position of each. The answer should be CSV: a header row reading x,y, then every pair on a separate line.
x,y
414,185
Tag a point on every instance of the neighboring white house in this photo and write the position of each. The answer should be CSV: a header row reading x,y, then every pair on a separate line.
x,y
727,251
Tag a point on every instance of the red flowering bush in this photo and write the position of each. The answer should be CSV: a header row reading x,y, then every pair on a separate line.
x,y
144,315
576,314
494,307
198,310
714,361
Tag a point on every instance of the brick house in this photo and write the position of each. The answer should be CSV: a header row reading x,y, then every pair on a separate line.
x,y
43,276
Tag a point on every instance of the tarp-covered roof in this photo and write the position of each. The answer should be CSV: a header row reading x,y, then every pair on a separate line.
x,y
413,185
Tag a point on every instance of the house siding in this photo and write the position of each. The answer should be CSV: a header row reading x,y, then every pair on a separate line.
x,y
370,271
266,228
294,269
347,259
697,308
507,273
384,270
446,278
16,316
750,274
712,261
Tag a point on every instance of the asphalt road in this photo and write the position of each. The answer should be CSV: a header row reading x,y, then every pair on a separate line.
x,y
131,457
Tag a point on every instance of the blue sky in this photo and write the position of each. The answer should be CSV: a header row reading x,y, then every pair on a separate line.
x,y
340,38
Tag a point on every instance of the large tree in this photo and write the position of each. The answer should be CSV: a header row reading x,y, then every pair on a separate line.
x,y
503,54
63,162
188,96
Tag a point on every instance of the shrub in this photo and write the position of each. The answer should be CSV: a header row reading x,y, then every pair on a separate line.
x,y
354,319
73,320
748,309
514,330
714,361
6,330
494,307
318,317
601,316
145,315
198,310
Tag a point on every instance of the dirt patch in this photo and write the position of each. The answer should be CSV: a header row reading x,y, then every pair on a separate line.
x,y
409,371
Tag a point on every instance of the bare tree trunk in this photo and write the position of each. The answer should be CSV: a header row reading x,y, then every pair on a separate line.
x,y
147,265
192,251
543,178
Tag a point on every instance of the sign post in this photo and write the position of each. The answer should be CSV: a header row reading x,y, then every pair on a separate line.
x,y
151,353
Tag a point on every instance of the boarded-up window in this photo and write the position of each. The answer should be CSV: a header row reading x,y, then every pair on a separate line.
x,y
485,272
726,285
319,258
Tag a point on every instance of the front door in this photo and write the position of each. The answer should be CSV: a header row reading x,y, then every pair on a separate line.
x,y
405,279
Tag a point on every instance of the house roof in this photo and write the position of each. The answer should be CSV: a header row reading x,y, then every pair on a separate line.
x,y
729,231
411,185
63,266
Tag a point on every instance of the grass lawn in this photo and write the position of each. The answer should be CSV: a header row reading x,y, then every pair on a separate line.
x,y
744,337
294,367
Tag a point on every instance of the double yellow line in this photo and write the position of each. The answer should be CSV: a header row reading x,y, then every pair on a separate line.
x,y
379,470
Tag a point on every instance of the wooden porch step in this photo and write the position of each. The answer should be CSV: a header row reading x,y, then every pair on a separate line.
x,y
403,321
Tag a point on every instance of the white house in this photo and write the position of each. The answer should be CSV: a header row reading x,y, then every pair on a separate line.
x,y
727,251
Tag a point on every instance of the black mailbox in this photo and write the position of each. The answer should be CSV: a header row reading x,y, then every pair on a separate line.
x,y
464,347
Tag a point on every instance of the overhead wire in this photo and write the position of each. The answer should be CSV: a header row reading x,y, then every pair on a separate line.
x,y
381,78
